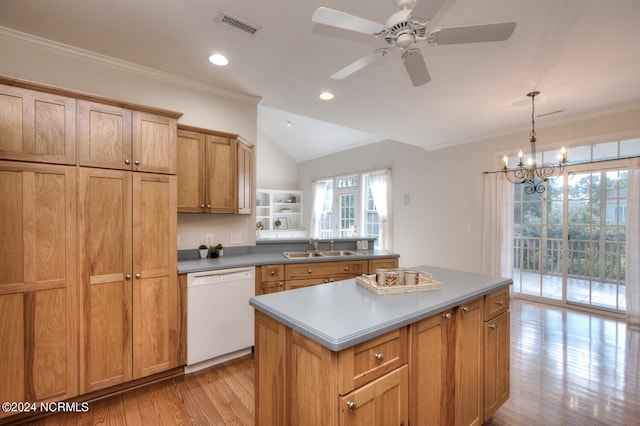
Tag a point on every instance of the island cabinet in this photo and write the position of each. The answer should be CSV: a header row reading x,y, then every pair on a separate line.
x,y
299,381
383,263
38,302
215,172
496,351
37,126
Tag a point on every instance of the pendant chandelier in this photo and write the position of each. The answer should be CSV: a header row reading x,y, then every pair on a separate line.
x,y
531,175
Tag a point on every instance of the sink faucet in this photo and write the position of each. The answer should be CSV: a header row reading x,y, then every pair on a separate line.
x,y
314,243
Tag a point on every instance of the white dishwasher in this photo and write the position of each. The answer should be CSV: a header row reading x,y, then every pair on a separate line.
x,y
219,318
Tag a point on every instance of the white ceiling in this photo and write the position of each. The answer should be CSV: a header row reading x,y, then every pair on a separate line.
x,y
583,55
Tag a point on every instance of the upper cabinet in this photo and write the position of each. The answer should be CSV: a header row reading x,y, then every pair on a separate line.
x,y
36,126
215,172
119,138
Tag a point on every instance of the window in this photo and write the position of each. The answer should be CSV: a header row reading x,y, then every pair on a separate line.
x,y
353,205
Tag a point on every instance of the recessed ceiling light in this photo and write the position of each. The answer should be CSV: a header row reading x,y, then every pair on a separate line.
x,y
218,59
289,124
326,96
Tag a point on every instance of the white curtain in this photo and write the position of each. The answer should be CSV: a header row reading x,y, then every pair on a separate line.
x,y
379,184
319,189
633,244
497,229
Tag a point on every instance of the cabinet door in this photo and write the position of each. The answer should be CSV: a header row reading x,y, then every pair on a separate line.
x,y
381,402
388,263
38,314
37,126
155,288
154,143
469,365
496,363
104,135
221,180
432,370
245,178
105,277
191,171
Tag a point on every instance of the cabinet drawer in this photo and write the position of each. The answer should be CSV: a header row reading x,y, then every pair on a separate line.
x,y
324,269
272,272
267,287
496,303
293,284
374,358
388,263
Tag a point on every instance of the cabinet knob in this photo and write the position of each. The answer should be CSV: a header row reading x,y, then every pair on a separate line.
x,y
281,283
465,308
352,405
273,273
500,302
346,269
447,315
127,277
379,357
208,206
137,162
310,271
202,206
138,276
492,326
127,161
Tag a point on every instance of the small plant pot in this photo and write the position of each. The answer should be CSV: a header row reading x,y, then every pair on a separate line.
x,y
204,253
214,254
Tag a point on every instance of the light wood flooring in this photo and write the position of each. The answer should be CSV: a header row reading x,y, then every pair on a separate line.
x,y
567,368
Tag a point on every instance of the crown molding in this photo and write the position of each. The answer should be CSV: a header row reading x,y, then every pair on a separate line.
x,y
62,49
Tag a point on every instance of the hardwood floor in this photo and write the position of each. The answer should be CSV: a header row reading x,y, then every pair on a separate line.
x,y
567,368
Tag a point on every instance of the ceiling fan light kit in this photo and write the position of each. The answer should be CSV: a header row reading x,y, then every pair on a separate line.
x,y
404,29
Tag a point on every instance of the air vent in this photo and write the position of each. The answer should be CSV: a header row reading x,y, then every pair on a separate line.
x,y
546,114
239,24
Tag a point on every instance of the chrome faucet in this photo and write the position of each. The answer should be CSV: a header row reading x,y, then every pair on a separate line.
x,y
314,243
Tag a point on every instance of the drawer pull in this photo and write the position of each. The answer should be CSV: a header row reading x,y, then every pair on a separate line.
x,y
352,405
492,326
465,309
379,357
309,271
273,273
447,315
281,283
136,162
500,302
127,161
346,268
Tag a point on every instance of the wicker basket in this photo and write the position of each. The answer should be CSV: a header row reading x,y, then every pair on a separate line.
x,y
425,283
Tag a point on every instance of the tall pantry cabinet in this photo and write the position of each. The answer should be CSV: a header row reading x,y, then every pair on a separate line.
x,y
88,285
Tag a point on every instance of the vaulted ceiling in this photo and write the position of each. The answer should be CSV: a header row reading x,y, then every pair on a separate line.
x,y
583,56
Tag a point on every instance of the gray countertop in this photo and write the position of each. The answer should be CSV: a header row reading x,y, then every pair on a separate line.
x,y
342,314
267,258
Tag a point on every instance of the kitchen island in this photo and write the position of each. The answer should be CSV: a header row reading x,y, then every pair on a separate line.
x,y
340,354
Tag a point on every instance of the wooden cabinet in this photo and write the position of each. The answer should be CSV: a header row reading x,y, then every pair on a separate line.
x,y
119,138
433,370
384,263
129,292
38,303
215,172
496,351
36,126
245,176
305,274
469,363
269,279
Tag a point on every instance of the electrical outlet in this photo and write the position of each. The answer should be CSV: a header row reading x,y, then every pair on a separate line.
x,y
235,238
209,240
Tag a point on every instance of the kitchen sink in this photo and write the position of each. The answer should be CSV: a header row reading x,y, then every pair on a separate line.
x,y
318,253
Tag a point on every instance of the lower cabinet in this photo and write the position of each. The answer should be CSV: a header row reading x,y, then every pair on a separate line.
x,y
496,352
128,281
469,363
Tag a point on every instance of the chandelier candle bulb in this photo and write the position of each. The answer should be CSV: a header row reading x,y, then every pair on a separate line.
x,y
506,162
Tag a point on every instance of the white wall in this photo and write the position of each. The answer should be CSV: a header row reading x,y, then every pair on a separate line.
x,y
42,62
446,186
274,169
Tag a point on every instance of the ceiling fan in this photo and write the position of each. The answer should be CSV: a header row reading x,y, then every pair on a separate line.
x,y
404,29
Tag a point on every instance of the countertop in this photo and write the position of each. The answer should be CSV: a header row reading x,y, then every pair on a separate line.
x,y
342,314
268,258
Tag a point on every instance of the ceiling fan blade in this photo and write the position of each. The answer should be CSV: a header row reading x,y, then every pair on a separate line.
x,y
416,67
356,66
335,18
471,33
425,10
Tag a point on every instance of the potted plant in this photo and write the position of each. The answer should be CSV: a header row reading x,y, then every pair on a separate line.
x,y
216,251
259,227
277,223
204,251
